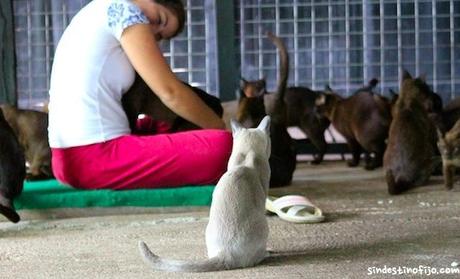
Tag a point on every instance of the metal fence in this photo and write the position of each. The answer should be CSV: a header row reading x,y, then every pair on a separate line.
x,y
341,43
39,25
346,43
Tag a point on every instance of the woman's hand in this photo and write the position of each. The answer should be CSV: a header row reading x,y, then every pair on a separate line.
x,y
140,46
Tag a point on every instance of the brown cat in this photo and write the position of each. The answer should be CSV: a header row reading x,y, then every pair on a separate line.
x,y
12,170
141,100
31,129
408,159
449,147
251,110
362,119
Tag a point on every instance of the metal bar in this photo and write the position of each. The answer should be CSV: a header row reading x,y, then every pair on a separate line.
x,y
243,33
365,41
452,50
189,41
399,40
313,46
259,34
296,42
382,46
417,40
330,42
29,54
277,20
347,44
211,48
47,46
435,45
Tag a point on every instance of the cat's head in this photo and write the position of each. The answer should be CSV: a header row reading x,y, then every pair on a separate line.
x,y
251,107
417,89
326,101
253,88
449,143
255,139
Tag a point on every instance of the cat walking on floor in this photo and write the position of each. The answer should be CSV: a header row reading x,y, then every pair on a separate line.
x,y
237,232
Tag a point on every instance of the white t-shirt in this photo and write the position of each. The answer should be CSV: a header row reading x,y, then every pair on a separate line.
x,y
89,75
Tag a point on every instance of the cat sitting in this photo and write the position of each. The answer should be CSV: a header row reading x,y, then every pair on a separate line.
x,y
237,232
251,110
362,119
31,129
12,170
449,147
408,159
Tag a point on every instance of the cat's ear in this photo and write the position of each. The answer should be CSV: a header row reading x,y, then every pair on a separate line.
x,y
320,100
236,126
328,89
262,85
243,83
440,135
373,82
406,75
422,77
264,125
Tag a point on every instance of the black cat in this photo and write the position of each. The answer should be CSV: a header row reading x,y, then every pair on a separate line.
x,y
141,100
252,109
12,170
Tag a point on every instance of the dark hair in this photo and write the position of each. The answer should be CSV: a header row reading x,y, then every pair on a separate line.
x,y
177,8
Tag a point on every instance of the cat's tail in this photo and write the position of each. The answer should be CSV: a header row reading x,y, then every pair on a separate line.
x,y
284,64
213,264
7,209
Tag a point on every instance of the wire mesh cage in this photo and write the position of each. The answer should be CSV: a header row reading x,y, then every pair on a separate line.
x,y
340,43
40,23
346,43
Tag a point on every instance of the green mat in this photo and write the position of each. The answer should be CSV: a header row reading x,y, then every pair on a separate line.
x,y
52,194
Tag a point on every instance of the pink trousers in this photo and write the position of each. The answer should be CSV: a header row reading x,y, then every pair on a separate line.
x,y
130,162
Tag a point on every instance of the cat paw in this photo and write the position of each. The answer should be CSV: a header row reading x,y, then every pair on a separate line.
x,y
369,167
352,163
316,161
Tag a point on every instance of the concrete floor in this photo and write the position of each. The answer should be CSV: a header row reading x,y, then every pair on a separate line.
x,y
365,229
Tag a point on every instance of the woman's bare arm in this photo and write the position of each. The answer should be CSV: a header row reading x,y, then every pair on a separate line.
x,y
145,55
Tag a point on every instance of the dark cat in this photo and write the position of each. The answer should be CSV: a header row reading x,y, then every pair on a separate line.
x,y
362,119
408,159
449,147
251,110
12,170
449,116
301,112
31,129
141,100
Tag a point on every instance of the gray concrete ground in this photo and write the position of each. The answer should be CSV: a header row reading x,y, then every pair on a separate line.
x,y
365,229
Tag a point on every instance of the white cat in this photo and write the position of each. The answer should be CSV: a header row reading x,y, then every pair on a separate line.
x,y
237,232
